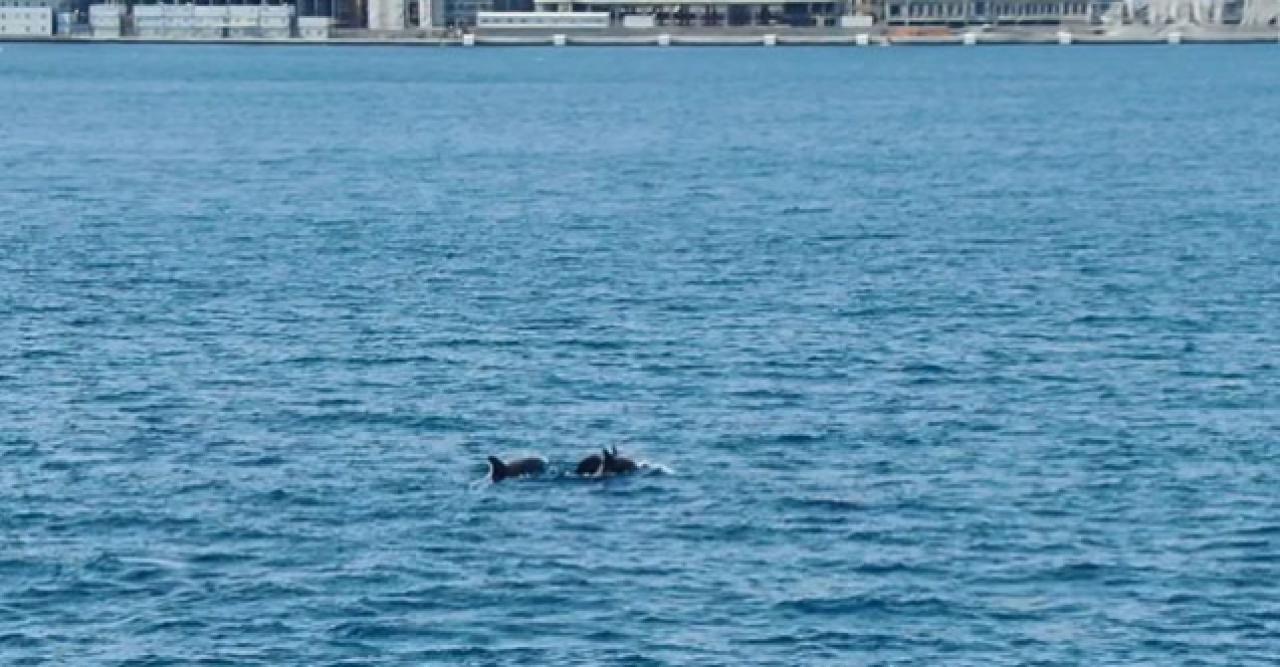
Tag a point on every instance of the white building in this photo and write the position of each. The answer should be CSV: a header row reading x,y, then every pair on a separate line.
x,y
213,21
106,20
968,12
25,18
314,27
386,15
548,20
720,13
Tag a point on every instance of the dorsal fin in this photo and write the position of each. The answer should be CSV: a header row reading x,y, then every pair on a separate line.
x,y
497,469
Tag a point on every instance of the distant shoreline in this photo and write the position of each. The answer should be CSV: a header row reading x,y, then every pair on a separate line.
x,y
865,40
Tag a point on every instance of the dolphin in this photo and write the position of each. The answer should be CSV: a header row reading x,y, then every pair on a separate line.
x,y
499,471
618,465
592,465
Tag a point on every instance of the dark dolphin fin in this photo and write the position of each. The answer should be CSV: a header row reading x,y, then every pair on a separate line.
x,y
497,469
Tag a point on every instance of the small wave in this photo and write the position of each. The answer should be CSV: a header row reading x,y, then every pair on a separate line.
x,y
768,394
837,505
1191,600
336,403
181,625
43,354
120,396
303,361
18,640
219,558
838,606
1265,530
479,342
832,639
593,344
806,210
28,569
1081,571
260,461
144,573
291,498
925,369
477,655
374,630
651,468
1243,545
103,563
37,309
433,598
892,567
799,438
390,360
417,423
135,520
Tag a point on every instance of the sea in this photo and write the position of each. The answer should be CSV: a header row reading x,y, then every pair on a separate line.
x,y
932,356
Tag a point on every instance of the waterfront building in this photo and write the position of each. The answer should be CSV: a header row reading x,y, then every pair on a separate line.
x,y
722,13
463,12
545,20
106,20
386,15
924,17
953,13
213,21
26,18
1259,13
349,13
968,12
314,28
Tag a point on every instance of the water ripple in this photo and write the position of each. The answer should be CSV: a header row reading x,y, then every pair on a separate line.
x,y
933,357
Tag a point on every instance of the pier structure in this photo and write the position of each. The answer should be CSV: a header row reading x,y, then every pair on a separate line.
x,y
977,12
562,22
642,14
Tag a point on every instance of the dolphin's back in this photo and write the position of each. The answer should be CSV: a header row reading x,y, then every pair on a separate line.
x,y
497,469
590,465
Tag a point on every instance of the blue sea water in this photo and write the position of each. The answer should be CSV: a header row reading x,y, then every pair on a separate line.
x,y
954,356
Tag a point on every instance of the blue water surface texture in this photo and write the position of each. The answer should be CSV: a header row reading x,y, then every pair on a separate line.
x,y
951,356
